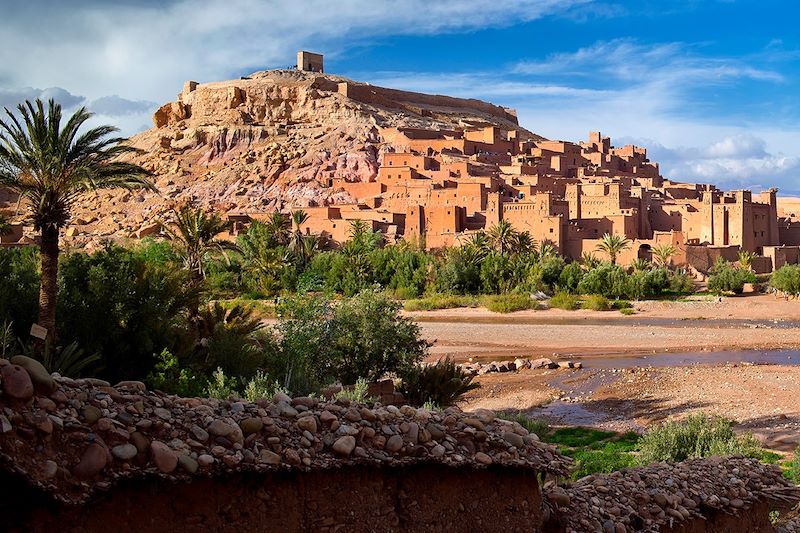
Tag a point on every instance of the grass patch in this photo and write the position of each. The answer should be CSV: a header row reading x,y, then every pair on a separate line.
x,y
621,304
564,300
440,301
596,302
508,303
627,311
791,469
533,425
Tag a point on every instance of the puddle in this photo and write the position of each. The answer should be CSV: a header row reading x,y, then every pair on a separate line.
x,y
667,359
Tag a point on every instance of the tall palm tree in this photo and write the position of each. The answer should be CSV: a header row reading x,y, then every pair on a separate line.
x,y
523,243
612,245
501,236
299,218
195,232
50,167
663,254
278,228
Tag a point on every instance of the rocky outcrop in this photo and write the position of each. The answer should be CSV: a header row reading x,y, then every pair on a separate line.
x,y
271,140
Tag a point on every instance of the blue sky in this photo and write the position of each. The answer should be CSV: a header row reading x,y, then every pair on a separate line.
x,y
710,87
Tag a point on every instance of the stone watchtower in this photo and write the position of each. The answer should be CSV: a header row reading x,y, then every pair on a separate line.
x,y
309,61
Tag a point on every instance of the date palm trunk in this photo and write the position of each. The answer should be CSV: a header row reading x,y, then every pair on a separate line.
x,y
48,288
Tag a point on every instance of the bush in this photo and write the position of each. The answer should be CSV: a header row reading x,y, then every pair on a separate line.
x,y
787,280
221,386
439,301
19,288
596,302
681,283
443,383
262,386
564,300
168,376
357,393
627,311
570,277
508,303
792,468
533,425
724,277
695,437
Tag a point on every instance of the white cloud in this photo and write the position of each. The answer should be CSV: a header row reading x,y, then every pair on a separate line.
x,y
114,106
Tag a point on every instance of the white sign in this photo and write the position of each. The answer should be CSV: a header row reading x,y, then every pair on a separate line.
x,y
38,331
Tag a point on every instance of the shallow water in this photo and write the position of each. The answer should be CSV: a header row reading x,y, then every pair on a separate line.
x,y
666,359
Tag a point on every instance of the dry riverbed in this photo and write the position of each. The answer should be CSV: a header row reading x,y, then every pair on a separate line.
x,y
618,387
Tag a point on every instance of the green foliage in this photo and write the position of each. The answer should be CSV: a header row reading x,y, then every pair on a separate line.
x,y
357,393
508,303
19,288
792,467
440,301
168,376
321,341
570,277
262,386
612,245
71,361
221,386
115,303
443,383
787,280
533,425
627,311
681,283
497,274
694,437
564,300
724,277
596,302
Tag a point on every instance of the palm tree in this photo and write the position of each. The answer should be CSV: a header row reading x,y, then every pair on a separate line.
x,y
501,236
362,238
589,261
612,245
547,250
195,232
663,254
278,228
523,243
640,264
299,218
50,167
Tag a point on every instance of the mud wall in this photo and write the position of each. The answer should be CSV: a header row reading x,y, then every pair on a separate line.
x,y
354,499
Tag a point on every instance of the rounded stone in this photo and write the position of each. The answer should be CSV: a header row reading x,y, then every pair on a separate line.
x,y
394,443
187,463
124,452
344,445
269,457
205,460
220,428
16,382
91,414
92,462
483,459
165,459
251,425
39,375
514,439
307,423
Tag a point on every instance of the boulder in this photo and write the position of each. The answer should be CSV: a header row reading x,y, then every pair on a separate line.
x,y
16,382
41,378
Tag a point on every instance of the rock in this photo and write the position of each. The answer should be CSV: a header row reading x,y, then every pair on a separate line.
x,y
16,382
269,457
39,375
187,463
205,460
483,459
281,398
49,469
307,423
91,414
199,433
141,442
163,456
220,428
394,443
514,439
92,462
327,418
251,425
344,445
5,425
124,452
162,413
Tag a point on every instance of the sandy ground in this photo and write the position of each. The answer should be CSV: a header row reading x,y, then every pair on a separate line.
x,y
765,399
702,324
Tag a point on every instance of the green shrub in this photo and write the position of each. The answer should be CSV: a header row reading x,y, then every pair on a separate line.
x,y
609,457
787,279
261,386
169,376
564,300
508,303
681,283
221,386
533,425
695,437
724,277
621,304
627,311
596,302
19,288
357,393
570,277
792,467
440,301
443,383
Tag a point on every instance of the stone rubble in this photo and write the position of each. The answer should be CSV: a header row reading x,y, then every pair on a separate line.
x,y
84,435
517,365
652,498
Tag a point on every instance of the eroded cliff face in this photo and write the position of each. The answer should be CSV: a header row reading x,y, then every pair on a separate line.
x,y
271,140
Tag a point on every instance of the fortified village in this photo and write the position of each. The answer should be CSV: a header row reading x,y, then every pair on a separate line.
x,y
430,169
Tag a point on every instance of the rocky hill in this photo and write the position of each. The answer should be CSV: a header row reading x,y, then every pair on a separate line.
x,y
266,141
